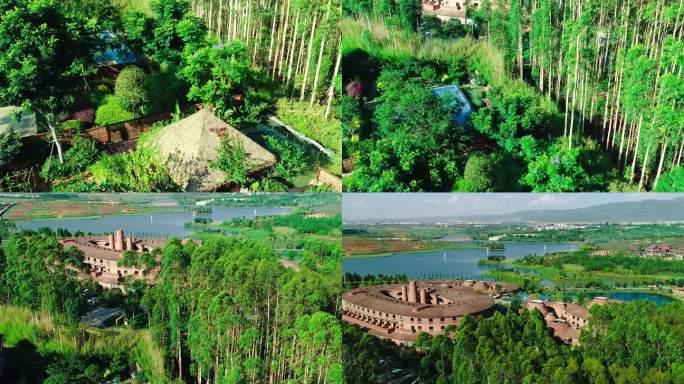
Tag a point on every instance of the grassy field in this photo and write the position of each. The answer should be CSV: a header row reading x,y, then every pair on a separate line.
x,y
407,231
358,246
573,275
56,209
389,43
137,5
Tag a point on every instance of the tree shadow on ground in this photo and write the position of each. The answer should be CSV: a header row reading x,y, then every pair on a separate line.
x,y
23,364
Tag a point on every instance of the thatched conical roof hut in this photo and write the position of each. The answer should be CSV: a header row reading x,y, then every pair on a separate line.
x,y
190,145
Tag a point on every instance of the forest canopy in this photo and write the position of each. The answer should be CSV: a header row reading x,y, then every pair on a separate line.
x,y
598,85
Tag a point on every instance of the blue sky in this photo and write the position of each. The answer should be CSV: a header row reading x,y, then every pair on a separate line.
x,y
361,206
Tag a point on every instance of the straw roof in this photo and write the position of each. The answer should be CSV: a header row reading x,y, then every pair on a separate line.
x,y
189,146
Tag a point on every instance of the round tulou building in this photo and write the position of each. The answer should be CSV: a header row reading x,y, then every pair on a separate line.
x,y
401,311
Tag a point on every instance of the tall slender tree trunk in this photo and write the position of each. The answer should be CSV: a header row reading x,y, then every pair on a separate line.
x,y
308,59
273,27
291,52
314,87
636,149
644,166
331,89
660,164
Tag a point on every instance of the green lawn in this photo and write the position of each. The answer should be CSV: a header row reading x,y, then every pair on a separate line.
x,y
137,5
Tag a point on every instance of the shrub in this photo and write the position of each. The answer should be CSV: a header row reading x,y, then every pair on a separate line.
x,y
269,184
291,157
76,159
112,112
10,146
99,94
556,168
232,160
130,89
164,90
73,124
477,176
672,181
136,171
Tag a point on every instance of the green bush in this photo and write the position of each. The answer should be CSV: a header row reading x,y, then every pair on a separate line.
x,y
672,181
232,160
10,146
99,94
112,112
73,124
76,159
165,90
553,167
291,158
269,184
477,176
136,171
130,89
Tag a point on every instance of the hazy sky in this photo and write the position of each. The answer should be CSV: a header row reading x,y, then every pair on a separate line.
x,y
360,206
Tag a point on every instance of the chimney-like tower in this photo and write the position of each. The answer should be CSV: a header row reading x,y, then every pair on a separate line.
x,y
411,296
423,298
110,241
118,240
403,293
129,243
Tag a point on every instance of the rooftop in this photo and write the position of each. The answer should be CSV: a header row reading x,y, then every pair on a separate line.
x,y
458,300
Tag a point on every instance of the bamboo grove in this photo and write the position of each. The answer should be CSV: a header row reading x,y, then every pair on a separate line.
x,y
298,41
613,66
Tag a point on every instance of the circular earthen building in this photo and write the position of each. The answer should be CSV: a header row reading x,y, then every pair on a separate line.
x,y
400,312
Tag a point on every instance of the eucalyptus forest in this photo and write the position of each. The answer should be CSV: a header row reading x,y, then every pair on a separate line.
x,y
580,95
223,308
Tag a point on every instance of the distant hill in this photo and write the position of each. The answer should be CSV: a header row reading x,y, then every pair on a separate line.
x,y
629,211
623,212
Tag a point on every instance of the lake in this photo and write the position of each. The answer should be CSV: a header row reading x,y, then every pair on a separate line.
x,y
619,295
155,224
446,263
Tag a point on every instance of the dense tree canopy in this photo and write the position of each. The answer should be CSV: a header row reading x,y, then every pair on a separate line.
x,y
413,145
45,55
223,77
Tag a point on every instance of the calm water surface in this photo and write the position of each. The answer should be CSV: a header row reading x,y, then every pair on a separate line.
x,y
156,224
446,263
618,295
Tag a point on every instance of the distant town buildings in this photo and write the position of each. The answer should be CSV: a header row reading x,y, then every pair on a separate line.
x,y
103,252
449,9
565,319
559,226
400,312
662,250
318,215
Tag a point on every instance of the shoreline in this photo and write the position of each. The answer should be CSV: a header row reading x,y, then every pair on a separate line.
x,y
398,253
